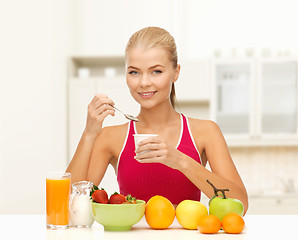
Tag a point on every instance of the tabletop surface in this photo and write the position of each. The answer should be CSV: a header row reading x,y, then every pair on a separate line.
x,y
256,227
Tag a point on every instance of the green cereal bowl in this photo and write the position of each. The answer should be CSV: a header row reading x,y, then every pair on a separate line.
x,y
118,217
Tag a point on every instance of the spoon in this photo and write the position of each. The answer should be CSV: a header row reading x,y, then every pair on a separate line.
x,y
129,117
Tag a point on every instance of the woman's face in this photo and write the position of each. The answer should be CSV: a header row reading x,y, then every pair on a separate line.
x,y
149,75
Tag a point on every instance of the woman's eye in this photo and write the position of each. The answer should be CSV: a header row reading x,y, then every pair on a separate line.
x,y
157,72
133,72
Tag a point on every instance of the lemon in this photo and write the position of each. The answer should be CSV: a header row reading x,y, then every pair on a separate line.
x,y
188,213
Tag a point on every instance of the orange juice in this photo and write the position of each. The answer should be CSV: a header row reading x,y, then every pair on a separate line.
x,y
57,200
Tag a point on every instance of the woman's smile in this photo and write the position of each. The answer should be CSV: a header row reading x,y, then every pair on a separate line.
x,y
148,94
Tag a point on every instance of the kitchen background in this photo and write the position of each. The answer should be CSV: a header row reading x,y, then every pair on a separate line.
x,y
238,67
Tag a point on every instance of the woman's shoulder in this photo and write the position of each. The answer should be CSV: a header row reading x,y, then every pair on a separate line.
x,y
202,124
204,132
115,130
109,142
204,129
111,138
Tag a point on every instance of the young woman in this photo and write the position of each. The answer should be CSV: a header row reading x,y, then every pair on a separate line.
x,y
175,165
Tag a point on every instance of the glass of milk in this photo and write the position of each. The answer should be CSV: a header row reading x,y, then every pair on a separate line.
x,y
80,205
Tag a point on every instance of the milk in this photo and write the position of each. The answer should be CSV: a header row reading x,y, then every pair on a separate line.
x,y
81,211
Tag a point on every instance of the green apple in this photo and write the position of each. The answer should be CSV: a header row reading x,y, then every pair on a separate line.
x,y
221,206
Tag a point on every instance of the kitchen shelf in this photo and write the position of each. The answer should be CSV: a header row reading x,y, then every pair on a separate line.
x,y
97,66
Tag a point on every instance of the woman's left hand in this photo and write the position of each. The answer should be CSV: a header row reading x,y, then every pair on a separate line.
x,y
156,150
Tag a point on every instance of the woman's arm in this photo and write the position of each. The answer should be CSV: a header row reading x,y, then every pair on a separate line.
x,y
106,151
210,139
98,110
78,167
101,156
224,173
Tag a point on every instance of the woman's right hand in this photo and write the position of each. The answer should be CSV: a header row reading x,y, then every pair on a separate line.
x,y
98,109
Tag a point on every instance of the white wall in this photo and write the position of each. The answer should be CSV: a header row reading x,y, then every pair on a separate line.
x,y
34,37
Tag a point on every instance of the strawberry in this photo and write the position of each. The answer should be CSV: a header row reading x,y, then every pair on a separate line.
x,y
100,196
130,199
117,198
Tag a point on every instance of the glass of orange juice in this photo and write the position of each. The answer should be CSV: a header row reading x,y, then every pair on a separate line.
x,y
57,200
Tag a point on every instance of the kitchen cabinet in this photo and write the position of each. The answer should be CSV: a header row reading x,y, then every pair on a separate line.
x,y
233,102
193,89
255,100
92,34
193,84
278,97
104,27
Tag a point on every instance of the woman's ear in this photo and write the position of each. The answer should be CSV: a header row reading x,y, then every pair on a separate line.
x,y
177,72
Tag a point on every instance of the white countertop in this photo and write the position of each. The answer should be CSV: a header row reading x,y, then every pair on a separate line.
x,y
34,227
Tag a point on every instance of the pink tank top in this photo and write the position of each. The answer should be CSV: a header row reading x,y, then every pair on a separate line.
x,y
145,180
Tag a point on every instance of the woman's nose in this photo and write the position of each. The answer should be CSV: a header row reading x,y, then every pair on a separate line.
x,y
145,81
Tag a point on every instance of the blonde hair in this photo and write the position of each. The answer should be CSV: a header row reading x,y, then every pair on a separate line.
x,y
156,37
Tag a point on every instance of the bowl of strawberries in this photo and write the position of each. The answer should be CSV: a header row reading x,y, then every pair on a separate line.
x,y
117,212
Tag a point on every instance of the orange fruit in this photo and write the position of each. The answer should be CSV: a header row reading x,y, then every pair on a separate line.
x,y
232,223
159,212
209,224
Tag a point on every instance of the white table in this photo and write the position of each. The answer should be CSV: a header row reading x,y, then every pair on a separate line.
x,y
257,227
